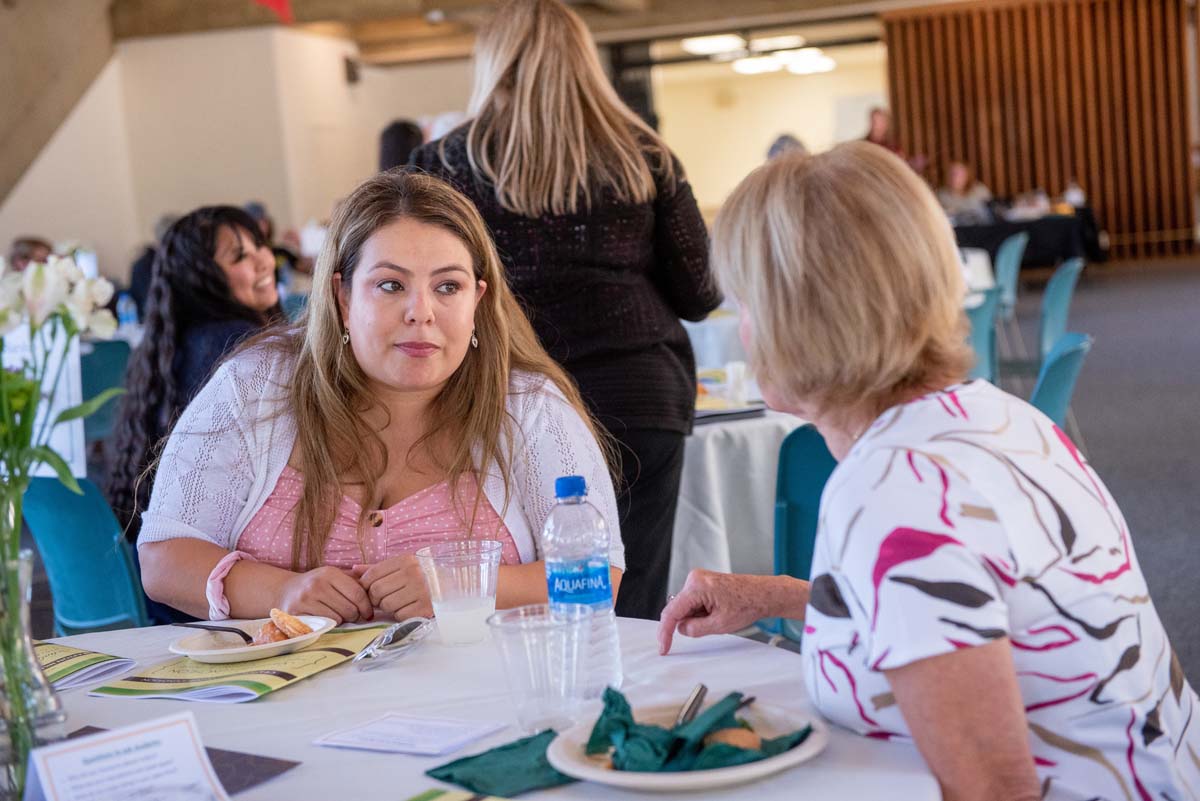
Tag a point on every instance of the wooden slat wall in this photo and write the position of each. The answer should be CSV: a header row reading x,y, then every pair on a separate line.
x,y
1032,93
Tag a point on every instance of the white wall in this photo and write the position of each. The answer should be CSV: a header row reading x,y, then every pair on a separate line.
x,y
331,128
204,122
80,186
177,122
721,124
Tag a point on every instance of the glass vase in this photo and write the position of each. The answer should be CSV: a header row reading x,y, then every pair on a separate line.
x,y
31,713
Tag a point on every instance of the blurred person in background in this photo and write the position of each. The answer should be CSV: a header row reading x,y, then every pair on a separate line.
x,y
213,285
785,143
964,199
604,245
26,250
397,143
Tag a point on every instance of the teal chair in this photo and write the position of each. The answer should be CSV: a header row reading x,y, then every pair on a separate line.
x,y
102,367
89,563
1056,305
294,306
1056,308
1056,381
983,335
1007,269
804,466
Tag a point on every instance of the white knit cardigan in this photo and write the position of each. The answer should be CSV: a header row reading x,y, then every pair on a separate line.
x,y
231,444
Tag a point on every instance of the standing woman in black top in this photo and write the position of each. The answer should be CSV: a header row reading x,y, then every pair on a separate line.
x,y
604,245
211,286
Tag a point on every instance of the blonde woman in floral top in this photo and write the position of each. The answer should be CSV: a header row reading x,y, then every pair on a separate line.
x,y
974,585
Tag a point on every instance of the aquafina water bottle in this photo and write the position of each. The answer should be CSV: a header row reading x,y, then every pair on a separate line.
x,y
575,541
127,312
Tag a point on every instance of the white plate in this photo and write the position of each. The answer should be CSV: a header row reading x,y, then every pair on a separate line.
x,y
219,647
567,755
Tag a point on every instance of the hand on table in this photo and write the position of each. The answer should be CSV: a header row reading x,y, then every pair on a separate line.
x,y
715,603
396,586
326,591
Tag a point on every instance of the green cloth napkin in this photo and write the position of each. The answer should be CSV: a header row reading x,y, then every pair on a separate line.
x,y
506,770
521,766
654,749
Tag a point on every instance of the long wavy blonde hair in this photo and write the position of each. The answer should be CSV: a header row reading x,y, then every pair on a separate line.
x,y
329,393
547,127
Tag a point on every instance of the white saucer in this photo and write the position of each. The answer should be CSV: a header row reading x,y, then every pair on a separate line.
x,y
218,647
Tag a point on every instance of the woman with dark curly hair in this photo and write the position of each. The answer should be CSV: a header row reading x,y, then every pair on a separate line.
x,y
213,285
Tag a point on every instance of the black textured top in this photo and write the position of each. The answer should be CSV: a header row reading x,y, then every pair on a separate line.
x,y
605,288
201,349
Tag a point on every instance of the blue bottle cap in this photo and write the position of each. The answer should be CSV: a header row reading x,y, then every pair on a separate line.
x,y
569,487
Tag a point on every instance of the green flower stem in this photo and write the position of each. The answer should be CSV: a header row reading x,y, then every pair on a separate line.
x,y
62,363
16,714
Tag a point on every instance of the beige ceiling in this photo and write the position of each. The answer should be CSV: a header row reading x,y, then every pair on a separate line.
x,y
403,31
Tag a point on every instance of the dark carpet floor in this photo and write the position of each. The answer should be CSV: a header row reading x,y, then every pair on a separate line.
x,y
1137,404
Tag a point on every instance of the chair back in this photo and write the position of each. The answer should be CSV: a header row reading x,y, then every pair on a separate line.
x,y
983,334
1056,305
89,563
804,466
1056,380
103,367
1007,269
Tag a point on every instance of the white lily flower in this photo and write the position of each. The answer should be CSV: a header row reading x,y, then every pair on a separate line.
x,y
102,291
66,267
44,290
102,324
80,305
10,319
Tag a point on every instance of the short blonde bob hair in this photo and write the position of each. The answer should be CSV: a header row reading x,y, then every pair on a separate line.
x,y
847,268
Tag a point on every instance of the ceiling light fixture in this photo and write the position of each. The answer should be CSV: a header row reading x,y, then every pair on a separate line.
x,y
757,65
712,45
822,64
776,43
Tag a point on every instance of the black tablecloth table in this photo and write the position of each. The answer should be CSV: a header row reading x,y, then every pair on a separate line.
x,y
1052,238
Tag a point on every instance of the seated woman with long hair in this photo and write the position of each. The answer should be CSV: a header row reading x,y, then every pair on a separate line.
x,y
974,585
413,404
212,286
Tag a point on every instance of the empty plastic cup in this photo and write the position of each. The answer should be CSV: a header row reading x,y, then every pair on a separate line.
x,y
461,576
544,652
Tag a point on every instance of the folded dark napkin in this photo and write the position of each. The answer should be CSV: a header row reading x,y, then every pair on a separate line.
x,y
521,766
654,749
506,770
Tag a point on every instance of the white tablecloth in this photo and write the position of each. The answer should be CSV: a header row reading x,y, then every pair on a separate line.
x,y
467,683
726,515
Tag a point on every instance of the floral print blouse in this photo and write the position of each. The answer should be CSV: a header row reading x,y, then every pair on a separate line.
x,y
965,516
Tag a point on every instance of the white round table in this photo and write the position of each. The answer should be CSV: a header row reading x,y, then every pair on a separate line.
x,y
467,683
725,519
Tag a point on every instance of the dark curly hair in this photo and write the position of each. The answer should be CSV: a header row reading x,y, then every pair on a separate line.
x,y
187,287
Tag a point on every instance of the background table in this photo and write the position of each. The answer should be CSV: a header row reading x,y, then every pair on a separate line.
x,y
715,339
1052,238
726,515
467,683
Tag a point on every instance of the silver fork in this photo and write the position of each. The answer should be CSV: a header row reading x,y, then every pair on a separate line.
x,y
691,707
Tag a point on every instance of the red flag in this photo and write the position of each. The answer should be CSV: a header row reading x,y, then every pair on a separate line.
x,y
282,9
